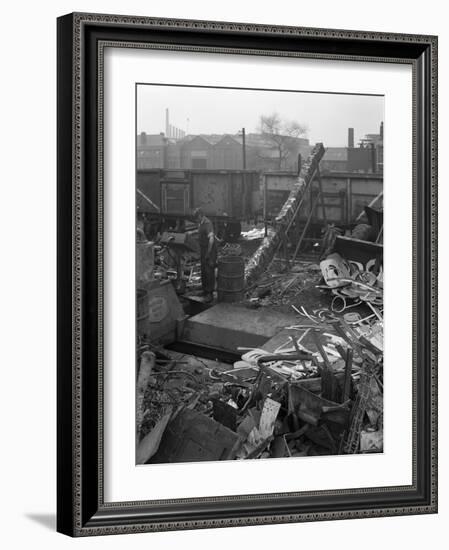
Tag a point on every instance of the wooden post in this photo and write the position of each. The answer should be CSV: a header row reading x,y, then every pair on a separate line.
x,y
309,219
328,380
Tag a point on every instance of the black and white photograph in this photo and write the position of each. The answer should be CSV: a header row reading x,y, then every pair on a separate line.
x,y
259,273
221,228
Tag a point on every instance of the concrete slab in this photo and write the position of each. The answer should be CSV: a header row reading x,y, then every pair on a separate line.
x,y
229,326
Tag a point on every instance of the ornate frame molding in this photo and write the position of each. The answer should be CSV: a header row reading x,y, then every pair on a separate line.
x,y
74,513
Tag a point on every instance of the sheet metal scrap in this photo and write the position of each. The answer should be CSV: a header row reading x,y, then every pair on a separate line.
x,y
371,441
261,434
193,437
352,283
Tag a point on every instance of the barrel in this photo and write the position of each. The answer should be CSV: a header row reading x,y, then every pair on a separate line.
x,y
231,279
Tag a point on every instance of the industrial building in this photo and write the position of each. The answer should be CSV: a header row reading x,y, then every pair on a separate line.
x,y
253,151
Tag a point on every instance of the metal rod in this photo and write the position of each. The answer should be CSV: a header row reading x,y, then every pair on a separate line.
x,y
372,203
309,219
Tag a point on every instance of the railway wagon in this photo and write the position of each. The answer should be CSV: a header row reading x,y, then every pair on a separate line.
x,y
345,194
167,198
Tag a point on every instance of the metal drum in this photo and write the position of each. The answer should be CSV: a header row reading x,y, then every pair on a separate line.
x,y
231,279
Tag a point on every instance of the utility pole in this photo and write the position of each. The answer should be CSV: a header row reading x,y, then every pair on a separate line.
x,y
244,148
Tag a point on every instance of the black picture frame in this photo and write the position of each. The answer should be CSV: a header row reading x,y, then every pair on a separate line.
x,y
81,509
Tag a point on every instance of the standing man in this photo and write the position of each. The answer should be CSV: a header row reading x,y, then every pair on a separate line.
x,y
208,253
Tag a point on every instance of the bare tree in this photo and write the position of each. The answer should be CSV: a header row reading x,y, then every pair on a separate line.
x,y
282,135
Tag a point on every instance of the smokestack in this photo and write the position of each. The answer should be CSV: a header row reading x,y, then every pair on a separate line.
x,y
351,138
381,131
167,125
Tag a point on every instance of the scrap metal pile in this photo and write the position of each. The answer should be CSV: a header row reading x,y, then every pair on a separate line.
x,y
276,288
320,391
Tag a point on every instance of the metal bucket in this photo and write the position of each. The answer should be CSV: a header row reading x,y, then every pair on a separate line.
x,y
231,279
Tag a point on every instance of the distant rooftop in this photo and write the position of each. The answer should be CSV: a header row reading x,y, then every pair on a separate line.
x,y
152,140
252,139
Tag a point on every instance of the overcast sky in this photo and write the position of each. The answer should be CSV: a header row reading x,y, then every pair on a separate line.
x,y
220,111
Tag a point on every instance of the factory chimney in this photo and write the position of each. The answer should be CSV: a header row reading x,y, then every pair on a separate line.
x,y
351,138
167,125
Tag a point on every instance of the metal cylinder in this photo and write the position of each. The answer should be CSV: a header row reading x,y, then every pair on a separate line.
x,y
231,279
